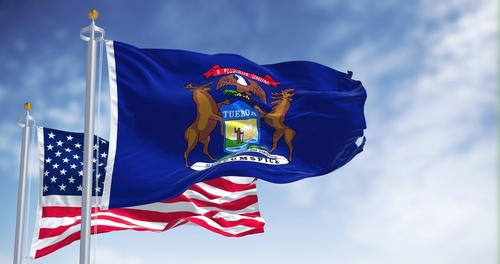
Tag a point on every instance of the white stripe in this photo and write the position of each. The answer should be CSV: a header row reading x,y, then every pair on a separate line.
x,y
150,225
139,223
62,200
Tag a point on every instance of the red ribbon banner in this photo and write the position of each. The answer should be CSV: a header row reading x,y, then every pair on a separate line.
x,y
216,70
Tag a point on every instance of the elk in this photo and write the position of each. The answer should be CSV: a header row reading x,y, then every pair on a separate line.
x,y
207,116
276,117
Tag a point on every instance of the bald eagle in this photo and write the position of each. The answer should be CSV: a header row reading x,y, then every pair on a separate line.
x,y
242,86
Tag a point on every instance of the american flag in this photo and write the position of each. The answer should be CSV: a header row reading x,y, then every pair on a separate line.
x,y
226,205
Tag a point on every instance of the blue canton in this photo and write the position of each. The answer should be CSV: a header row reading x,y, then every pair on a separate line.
x,y
63,163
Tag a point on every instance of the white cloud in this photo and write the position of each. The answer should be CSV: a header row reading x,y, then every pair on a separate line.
x,y
305,193
428,169
10,147
68,114
448,207
435,193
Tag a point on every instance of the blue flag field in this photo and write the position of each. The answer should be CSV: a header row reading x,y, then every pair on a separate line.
x,y
180,117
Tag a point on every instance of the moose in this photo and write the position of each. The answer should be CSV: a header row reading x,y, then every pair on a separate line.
x,y
276,117
207,116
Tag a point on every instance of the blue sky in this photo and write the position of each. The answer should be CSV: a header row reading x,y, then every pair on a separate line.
x,y
423,191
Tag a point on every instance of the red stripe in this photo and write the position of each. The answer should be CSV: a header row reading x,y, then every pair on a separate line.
x,y
64,211
227,185
152,216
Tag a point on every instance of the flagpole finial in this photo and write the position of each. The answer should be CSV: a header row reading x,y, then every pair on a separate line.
x,y
89,32
27,120
28,106
93,14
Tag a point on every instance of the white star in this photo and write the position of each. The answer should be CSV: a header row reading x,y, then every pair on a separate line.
x,y
97,190
65,160
68,150
63,172
53,179
59,143
79,188
45,188
98,176
71,179
104,155
58,153
46,173
69,138
49,147
55,166
96,146
62,187
80,173
48,160
76,156
73,166
94,160
103,141
78,145
51,135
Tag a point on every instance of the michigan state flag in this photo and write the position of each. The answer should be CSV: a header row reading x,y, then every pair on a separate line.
x,y
180,117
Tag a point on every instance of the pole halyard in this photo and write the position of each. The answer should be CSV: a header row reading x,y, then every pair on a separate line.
x,y
88,144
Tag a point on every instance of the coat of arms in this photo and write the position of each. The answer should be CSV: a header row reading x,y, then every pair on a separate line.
x,y
240,123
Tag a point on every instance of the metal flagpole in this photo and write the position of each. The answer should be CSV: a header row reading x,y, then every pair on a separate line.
x,y
88,134
24,122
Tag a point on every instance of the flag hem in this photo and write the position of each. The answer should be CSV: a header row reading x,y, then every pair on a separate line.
x,y
113,130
